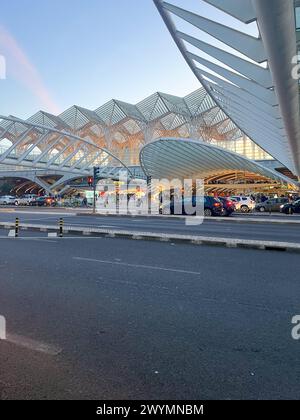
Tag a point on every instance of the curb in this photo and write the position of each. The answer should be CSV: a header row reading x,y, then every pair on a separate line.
x,y
164,237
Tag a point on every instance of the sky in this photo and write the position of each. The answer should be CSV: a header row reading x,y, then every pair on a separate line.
x,y
60,53
85,52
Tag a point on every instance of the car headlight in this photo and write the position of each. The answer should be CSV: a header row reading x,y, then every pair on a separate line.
x,y
282,206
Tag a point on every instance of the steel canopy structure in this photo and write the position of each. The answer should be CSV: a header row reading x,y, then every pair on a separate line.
x,y
175,158
67,146
249,77
37,151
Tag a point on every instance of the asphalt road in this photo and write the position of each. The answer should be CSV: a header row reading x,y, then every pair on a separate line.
x,y
227,228
121,319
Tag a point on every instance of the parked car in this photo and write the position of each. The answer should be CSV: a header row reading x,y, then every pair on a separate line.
x,y
273,204
73,202
290,208
243,204
228,206
7,200
25,200
212,206
42,201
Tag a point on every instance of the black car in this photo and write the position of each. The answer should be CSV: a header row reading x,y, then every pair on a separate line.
x,y
212,206
42,201
228,206
291,208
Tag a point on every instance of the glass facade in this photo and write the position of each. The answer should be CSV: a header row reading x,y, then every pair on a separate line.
x,y
245,147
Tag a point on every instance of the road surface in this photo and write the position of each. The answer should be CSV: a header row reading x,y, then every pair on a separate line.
x,y
121,319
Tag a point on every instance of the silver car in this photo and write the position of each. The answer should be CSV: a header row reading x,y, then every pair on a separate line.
x,y
25,200
6,200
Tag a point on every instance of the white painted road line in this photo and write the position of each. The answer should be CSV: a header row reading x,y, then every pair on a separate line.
x,y
52,235
52,213
2,328
33,345
47,239
146,267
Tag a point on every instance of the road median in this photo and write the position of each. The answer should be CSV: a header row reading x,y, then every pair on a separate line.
x,y
90,232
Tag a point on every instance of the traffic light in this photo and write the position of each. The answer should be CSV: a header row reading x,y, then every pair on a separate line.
x,y
96,173
90,181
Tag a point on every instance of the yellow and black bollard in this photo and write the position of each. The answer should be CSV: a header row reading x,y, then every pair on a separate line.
x,y
17,227
61,227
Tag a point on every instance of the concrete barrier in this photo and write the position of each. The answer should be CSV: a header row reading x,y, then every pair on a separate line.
x,y
165,237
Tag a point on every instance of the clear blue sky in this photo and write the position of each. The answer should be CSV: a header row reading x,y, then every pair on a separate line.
x,y
86,52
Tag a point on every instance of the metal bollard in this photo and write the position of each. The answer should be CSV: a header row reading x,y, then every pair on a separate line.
x,y
61,227
17,227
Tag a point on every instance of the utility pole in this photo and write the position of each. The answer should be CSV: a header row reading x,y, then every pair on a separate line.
x,y
149,194
96,176
94,197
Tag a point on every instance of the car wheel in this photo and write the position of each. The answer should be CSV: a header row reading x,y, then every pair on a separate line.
x,y
262,209
245,209
207,213
16,203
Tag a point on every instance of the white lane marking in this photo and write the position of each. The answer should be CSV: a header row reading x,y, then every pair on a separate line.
x,y
48,240
52,213
2,328
33,345
148,267
52,235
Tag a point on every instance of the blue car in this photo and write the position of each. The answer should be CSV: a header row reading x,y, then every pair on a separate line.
x,y
212,206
